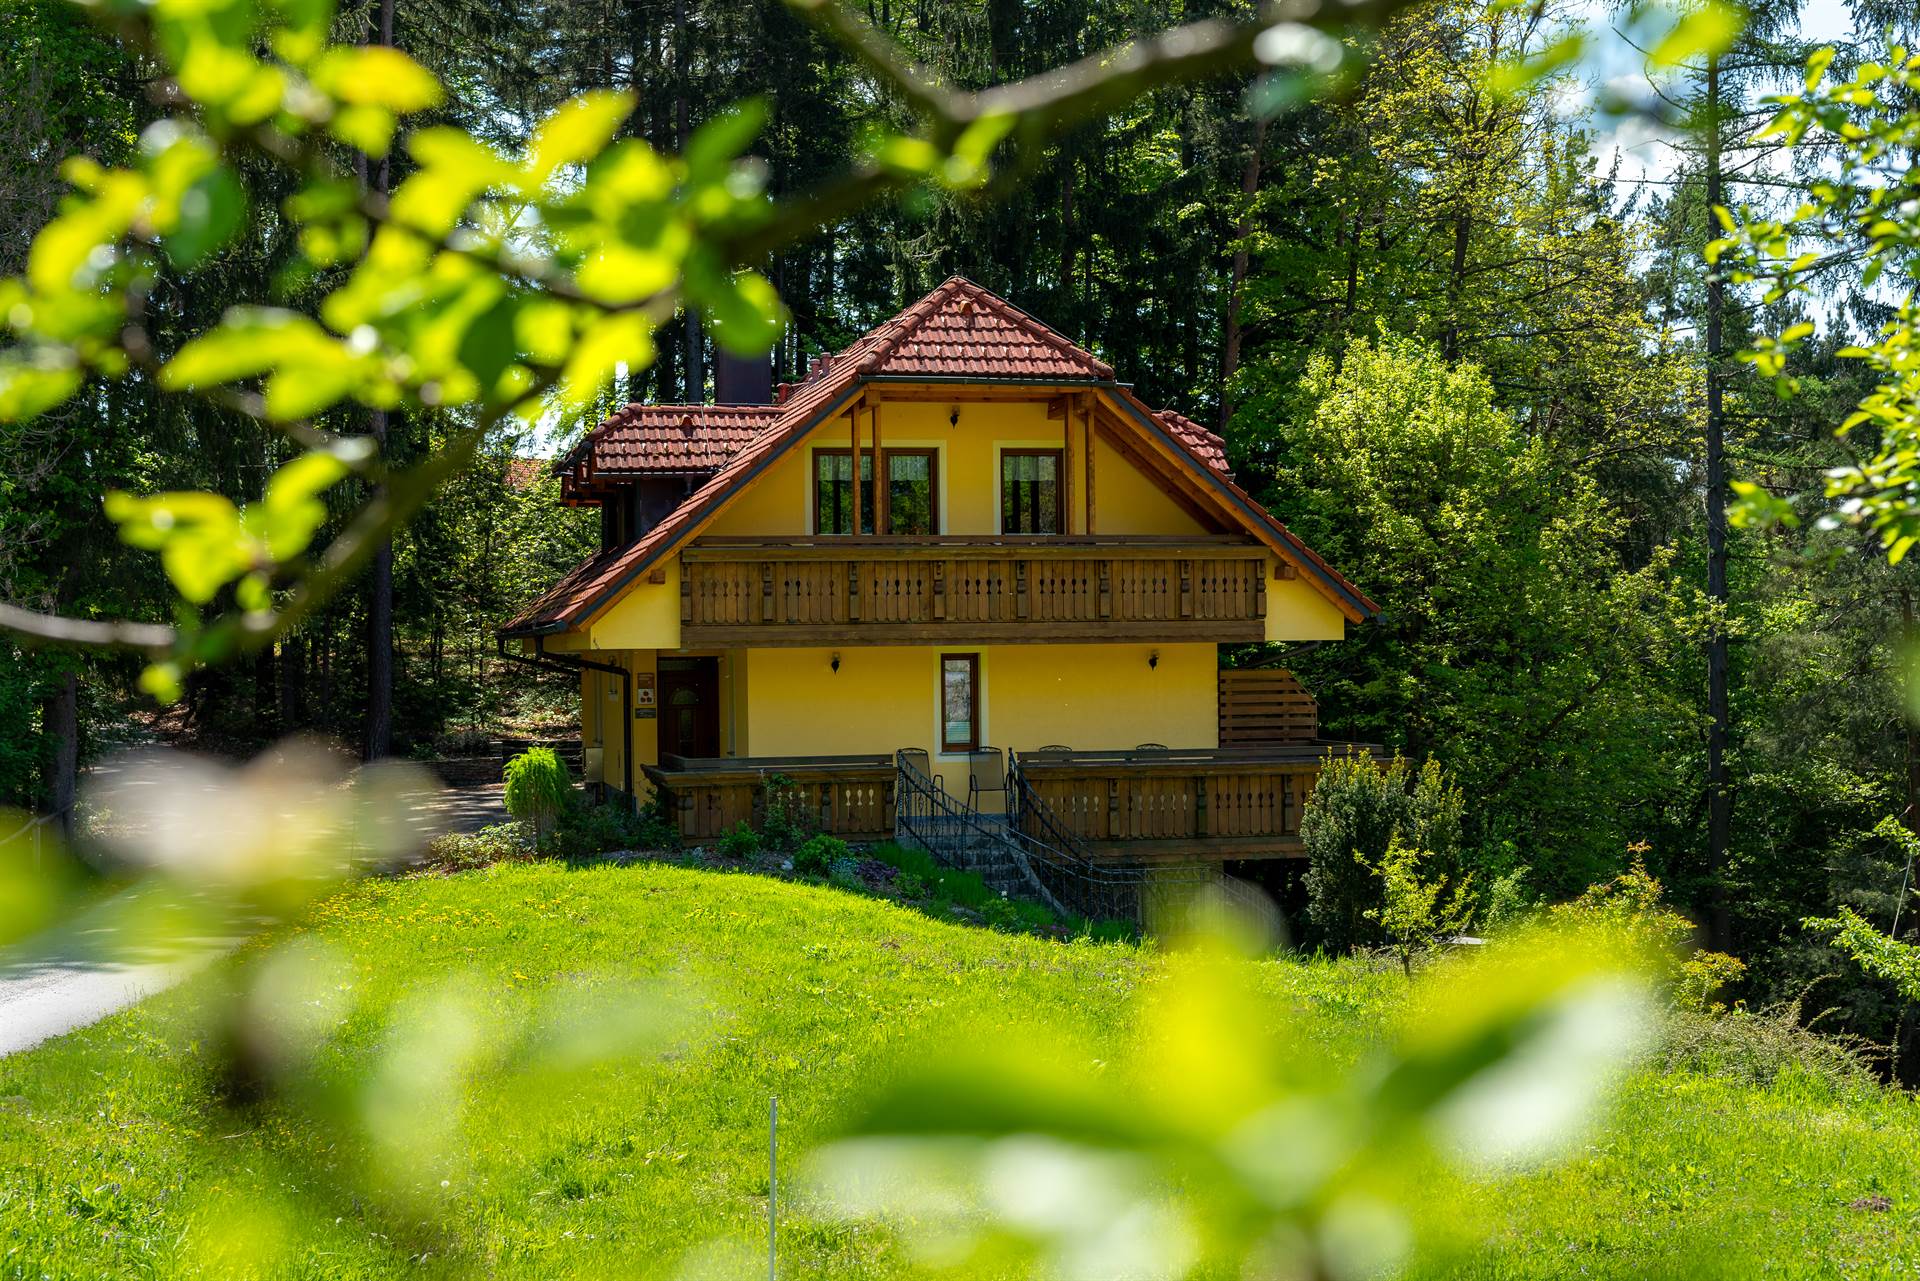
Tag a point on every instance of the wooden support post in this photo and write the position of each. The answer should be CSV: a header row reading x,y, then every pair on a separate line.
x,y
939,591
1106,588
1066,473
853,418
1022,588
880,487
1186,589
1259,594
1200,805
766,591
686,593
853,591
1087,423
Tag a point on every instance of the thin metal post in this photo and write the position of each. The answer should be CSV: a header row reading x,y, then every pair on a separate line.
x,y
772,1184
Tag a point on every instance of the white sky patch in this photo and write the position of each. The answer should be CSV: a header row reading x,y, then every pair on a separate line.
x,y
1647,150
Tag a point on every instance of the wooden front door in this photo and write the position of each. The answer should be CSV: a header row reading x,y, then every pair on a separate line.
x,y
689,720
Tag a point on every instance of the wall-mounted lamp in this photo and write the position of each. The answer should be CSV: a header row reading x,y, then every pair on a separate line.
x,y
1153,659
835,664
953,418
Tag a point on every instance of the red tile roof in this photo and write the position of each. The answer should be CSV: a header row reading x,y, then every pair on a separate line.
x,y
960,330
1208,446
669,438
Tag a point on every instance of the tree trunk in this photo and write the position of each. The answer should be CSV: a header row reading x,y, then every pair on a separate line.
x,y
266,697
380,588
60,718
695,365
293,683
1456,284
1719,794
1230,344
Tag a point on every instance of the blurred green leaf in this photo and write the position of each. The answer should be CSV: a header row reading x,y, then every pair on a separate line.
x,y
578,130
716,144
489,344
376,75
31,386
1702,32
211,211
746,312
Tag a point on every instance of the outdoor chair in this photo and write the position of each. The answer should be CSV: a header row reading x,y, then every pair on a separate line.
x,y
917,758
986,773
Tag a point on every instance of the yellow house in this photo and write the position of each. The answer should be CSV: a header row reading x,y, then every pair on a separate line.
x,y
1011,603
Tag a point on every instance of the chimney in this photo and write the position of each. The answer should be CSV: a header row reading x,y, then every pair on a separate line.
x,y
742,380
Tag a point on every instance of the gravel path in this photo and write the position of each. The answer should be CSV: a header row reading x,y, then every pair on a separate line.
x,y
84,971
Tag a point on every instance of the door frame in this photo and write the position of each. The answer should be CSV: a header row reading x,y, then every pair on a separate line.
x,y
705,672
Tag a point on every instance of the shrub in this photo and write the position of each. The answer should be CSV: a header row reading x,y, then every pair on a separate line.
x,y
1414,912
1357,809
999,912
845,874
498,843
817,856
1630,907
537,789
785,817
910,885
1507,901
739,841
916,862
586,830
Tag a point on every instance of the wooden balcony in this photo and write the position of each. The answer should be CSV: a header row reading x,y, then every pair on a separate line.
x,y
1010,589
846,796
1145,806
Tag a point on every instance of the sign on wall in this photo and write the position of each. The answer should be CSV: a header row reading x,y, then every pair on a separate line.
x,y
644,697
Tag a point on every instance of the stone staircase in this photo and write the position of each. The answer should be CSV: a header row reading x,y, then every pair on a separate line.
x,y
978,844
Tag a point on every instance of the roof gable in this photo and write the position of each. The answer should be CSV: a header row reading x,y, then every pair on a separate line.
x,y
958,331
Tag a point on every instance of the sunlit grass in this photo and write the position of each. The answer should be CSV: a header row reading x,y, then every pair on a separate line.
x,y
115,1161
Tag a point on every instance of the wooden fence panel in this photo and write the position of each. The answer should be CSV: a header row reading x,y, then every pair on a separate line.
x,y
1260,706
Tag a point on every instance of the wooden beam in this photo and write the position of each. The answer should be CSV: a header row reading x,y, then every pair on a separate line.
x,y
1095,632
1065,496
853,419
964,393
1087,430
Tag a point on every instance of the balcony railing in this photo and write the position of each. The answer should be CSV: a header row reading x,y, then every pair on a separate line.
x,y
840,590
846,796
1180,804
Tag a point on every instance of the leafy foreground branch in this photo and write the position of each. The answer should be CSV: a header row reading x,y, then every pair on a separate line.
x,y
483,283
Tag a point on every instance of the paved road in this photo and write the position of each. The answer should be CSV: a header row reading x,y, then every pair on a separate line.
x,y
89,969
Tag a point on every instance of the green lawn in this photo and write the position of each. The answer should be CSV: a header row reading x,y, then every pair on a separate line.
x,y
115,1161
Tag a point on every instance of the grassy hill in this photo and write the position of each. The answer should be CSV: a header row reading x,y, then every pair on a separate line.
x,y
116,1161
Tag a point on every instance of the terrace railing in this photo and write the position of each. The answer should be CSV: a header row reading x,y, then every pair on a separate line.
x,y
1148,805
851,797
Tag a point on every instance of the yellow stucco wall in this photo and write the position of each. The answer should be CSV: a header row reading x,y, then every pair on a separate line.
x,y
781,500
1297,612
646,617
1087,697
